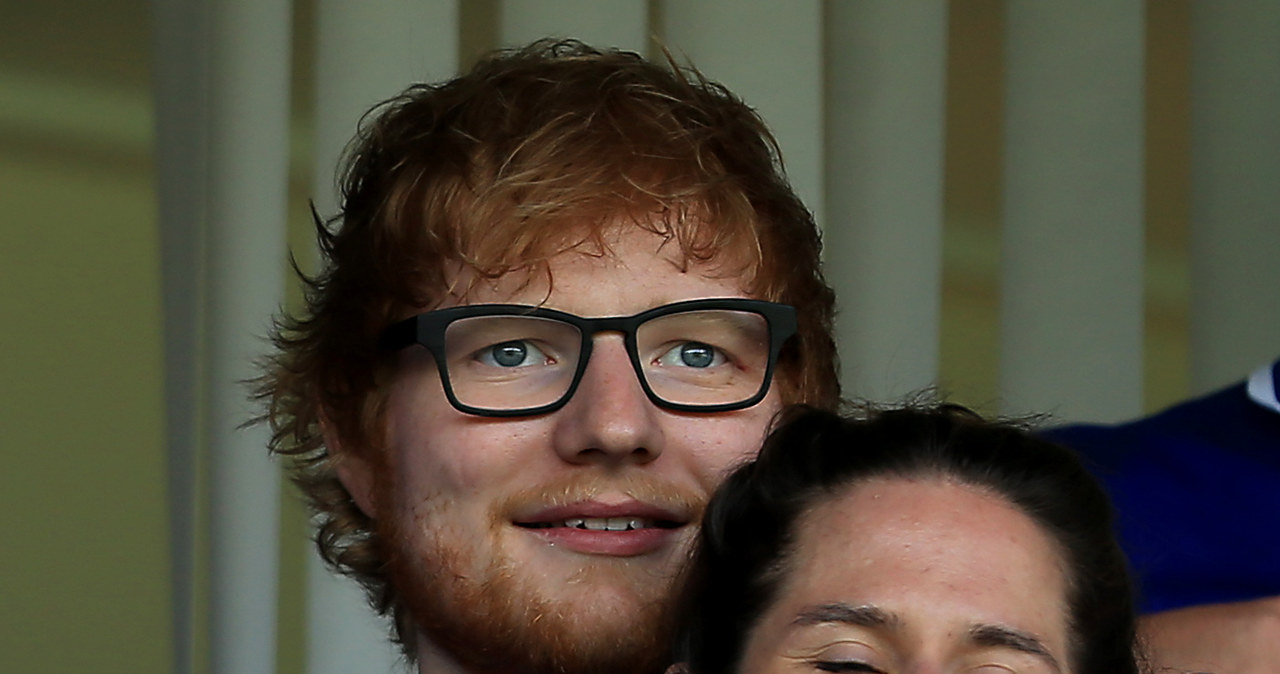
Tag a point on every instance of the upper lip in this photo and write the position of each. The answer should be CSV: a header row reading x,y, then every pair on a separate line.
x,y
602,509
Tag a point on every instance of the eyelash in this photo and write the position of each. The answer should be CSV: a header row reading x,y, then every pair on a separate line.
x,y
844,666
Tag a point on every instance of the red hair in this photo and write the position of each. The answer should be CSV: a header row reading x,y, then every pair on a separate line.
x,y
534,152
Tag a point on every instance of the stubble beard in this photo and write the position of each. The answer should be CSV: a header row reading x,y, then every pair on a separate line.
x,y
492,617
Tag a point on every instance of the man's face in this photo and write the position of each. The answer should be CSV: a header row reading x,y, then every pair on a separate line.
x,y
485,514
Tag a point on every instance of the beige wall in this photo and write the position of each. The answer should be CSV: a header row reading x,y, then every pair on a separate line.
x,y
83,565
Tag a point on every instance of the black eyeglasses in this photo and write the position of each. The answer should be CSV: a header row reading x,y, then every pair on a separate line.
x,y
506,360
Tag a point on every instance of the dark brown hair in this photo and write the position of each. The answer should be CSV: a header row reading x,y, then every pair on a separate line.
x,y
816,455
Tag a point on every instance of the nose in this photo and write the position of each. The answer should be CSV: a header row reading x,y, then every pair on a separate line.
x,y
609,419
926,665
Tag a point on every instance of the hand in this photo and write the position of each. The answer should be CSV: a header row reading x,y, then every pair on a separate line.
x,y
1238,638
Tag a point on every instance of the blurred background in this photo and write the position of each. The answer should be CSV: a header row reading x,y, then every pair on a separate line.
x,y
97,420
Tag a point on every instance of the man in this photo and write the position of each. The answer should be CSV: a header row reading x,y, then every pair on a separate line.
x,y
565,293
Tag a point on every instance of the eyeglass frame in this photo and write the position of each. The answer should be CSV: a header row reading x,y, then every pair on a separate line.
x,y
428,330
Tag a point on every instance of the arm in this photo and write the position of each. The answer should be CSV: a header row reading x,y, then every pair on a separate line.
x,y
1236,638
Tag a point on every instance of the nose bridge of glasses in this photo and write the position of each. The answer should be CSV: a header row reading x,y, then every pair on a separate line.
x,y
623,324
594,328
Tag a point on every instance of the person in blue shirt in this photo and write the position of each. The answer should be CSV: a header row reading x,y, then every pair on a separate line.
x,y
1197,490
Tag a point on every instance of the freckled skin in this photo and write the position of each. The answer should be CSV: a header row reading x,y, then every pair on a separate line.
x,y
941,557
457,476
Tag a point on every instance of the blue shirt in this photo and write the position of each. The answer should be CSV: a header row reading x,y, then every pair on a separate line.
x,y
1197,493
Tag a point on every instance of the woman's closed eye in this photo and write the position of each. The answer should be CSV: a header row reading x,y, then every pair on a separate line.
x,y
845,666
846,655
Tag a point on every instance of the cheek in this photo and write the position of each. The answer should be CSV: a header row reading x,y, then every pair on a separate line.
x,y
457,456
719,443
431,446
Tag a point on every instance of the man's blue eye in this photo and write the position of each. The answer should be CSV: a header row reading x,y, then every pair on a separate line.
x,y
509,354
696,354
515,353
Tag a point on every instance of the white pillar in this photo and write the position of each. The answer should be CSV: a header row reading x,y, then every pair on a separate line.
x,y
248,177
180,46
365,54
600,23
770,54
1071,322
1235,189
885,108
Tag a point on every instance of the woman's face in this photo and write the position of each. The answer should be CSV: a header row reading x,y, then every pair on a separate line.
x,y
916,576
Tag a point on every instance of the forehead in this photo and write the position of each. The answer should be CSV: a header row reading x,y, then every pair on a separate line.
x,y
936,553
623,269
889,513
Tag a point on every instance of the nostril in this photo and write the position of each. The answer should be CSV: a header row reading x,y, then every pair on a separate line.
x,y
638,454
643,454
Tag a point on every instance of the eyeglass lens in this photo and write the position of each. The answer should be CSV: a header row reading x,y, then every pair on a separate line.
x,y
704,357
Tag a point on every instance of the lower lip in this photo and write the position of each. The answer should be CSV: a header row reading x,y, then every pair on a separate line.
x,y
610,543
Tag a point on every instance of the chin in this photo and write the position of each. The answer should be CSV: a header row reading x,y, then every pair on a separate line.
x,y
551,611
604,590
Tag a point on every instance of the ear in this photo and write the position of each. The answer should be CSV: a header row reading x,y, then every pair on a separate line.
x,y
354,471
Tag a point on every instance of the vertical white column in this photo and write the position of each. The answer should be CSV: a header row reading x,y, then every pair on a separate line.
x,y
180,48
1235,189
248,176
884,119
601,23
365,54
770,54
1071,322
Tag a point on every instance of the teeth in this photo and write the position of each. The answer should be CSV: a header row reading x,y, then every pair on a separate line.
x,y
608,523
601,524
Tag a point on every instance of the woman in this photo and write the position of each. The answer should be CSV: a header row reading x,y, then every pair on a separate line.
x,y
921,540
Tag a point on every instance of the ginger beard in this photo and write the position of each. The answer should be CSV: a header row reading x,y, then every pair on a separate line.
x,y
470,598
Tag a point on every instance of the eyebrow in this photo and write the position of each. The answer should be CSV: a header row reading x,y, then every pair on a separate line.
x,y
862,616
1005,637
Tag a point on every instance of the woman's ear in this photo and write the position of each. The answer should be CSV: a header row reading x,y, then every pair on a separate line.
x,y
354,471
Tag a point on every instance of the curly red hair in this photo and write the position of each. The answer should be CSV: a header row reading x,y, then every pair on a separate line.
x,y
533,152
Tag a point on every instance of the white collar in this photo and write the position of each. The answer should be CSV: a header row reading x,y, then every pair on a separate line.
x,y
1263,386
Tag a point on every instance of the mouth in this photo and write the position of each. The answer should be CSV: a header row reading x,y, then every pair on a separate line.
x,y
620,530
603,524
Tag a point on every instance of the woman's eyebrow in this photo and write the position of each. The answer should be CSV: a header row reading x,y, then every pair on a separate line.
x,y
1007,637
862,616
